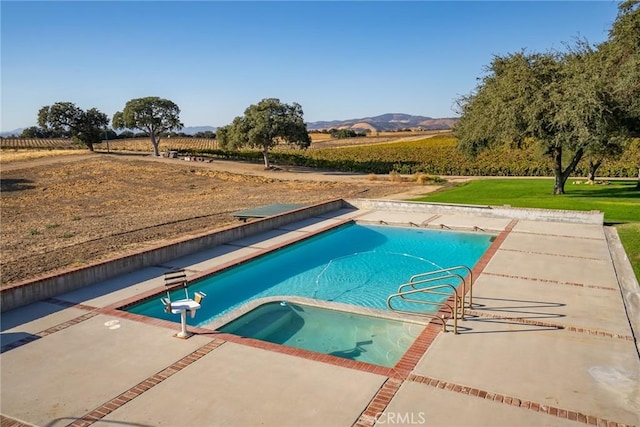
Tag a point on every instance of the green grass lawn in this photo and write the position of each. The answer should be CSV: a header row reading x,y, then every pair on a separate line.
x,y
630,236
620,202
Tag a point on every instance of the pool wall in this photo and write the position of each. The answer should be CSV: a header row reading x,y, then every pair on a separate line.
x,y
48,286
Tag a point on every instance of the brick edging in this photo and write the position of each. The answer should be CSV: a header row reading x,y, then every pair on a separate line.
x,y
6,421
145,385
379,403
48,331
559,235
551,254
550,281
514,401
590,331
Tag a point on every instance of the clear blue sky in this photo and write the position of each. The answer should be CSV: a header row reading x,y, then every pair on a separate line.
x,y
339,60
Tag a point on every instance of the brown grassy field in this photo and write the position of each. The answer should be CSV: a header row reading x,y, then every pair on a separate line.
x,y
17,155
144,144
318,136
39,143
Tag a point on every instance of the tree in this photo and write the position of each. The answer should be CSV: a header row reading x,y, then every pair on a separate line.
x,y
93,127
345,133
65,119
591,106
151,115
551,98
109,134
205,134
35,132
126,134
601,149
632,152
621,53
264,125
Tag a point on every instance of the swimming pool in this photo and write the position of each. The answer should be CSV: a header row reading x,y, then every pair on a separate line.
x,y
352,264
338,333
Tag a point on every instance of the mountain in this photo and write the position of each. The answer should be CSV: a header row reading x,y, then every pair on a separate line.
x,y
389,122
15,132
192,130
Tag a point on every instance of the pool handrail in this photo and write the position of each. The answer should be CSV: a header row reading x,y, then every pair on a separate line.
x,y
464,282
430,289
413,284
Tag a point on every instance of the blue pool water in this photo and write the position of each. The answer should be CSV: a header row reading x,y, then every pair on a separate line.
x,y
350,336
353,264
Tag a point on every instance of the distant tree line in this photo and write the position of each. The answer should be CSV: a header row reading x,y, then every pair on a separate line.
x,y
264,125
351,133
345,133
108,134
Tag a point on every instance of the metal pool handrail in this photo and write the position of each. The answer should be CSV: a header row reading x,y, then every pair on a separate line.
x,y
430,289
464,282
413,284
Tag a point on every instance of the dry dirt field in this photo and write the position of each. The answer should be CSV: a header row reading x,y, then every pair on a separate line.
x,y
67,211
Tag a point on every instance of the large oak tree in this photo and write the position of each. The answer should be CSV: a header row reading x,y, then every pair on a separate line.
x,y
621,54
152,115
556,100
584,101
264,125
66,119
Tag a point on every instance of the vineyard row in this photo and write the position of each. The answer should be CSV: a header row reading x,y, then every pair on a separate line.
x,y
437,156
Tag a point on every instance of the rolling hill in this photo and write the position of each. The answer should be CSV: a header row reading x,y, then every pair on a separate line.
x,y
387,122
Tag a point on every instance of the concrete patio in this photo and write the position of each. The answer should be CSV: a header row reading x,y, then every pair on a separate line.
x,y
549,341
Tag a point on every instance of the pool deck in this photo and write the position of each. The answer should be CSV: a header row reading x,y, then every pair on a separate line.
x,y
548,342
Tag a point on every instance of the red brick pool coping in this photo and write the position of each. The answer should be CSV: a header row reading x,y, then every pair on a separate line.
x,y
392,385
145,385
396,375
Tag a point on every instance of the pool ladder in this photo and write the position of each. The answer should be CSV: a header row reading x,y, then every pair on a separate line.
x,y
419,284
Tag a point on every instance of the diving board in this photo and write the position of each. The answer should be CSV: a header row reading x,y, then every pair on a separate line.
x,y
266,211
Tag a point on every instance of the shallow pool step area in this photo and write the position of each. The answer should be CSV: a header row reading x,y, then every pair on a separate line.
x,y
262,321
337,333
